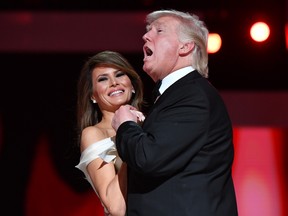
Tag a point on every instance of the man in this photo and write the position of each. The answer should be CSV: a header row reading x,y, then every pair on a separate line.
x,y
180,160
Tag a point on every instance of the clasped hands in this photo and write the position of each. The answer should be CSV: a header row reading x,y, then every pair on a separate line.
x,y
126,113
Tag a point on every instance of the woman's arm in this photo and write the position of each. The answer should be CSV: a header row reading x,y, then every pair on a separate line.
x,y
109,185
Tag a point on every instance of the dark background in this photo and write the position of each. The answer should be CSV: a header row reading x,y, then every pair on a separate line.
x,y
38,88
241,64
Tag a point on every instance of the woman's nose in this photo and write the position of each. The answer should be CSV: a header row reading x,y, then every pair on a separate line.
x,y
113,82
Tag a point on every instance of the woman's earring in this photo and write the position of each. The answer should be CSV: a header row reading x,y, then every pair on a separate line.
x,y
133,91
94,101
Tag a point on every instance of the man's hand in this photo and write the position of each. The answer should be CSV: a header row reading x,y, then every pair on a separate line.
x,y
126,113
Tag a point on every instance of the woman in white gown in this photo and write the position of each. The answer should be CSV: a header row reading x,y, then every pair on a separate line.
x,y
106,82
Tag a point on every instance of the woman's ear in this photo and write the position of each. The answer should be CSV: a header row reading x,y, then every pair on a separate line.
x,y
93,100
186,48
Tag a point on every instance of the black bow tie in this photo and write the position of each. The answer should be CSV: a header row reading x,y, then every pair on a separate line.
x,y
156,92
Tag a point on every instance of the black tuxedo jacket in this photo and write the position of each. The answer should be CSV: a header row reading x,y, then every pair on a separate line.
x,y
180,159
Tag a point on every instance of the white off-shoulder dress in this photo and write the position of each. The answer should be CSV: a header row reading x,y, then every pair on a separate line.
x,y
104,149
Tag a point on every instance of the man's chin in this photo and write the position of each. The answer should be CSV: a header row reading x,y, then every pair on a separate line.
x,y
145,68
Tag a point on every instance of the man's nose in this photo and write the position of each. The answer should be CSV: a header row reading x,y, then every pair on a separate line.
x,y
145,37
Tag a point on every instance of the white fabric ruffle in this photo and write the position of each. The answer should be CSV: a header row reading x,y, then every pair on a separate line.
x,y
104,149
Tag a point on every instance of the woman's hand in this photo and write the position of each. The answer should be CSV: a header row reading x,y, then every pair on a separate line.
x,y
126,113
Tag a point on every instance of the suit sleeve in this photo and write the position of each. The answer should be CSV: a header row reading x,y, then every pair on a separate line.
x,y
172,134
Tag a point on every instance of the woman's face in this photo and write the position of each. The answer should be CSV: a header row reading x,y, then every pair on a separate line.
x,y
111,88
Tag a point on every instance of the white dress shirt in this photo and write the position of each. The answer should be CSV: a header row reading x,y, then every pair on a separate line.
x,y
173,77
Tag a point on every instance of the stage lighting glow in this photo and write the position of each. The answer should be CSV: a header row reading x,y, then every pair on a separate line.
x,y
260,31
214,43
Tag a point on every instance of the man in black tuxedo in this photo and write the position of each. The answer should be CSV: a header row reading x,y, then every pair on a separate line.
x,y
180,159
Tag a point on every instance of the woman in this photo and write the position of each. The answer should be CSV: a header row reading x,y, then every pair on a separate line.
x,y
106,82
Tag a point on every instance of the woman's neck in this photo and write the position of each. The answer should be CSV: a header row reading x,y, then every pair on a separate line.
x,y
105,124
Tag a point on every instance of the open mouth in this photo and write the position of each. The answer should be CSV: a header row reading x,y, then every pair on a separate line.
x,y
116,92
148,51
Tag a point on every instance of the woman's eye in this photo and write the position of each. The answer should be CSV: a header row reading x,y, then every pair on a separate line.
x,y
102,79
119,74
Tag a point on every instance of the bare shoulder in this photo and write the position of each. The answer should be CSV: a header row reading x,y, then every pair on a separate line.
x,y
91,135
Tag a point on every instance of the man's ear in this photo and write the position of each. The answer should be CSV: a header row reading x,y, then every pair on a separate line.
x,y
186,48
